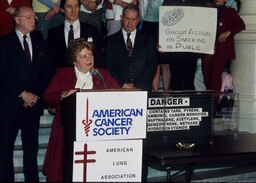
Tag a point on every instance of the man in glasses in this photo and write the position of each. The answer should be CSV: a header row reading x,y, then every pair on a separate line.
x,y
25,73
7,8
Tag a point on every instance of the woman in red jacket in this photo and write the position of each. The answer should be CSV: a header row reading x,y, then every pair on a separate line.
x,y
7,8
229,24
65,82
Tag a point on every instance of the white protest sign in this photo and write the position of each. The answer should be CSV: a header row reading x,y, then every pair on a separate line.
x,y
107,161
187,29
111,115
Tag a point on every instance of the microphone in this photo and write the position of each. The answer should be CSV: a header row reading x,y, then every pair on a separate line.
x,y
96,73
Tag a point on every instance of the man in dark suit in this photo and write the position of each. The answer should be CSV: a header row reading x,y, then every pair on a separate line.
x,y
136,68
58,36
25,74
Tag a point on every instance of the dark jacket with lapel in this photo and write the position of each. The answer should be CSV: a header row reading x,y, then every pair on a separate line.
x,y
59,51
16,73
140,68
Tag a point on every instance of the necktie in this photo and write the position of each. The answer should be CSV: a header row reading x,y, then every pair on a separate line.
x,y
26,49
129,45
70,35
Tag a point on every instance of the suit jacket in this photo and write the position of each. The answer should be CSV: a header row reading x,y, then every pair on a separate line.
x,y
59,51
64,79
228,20
16,74
140,68
6,19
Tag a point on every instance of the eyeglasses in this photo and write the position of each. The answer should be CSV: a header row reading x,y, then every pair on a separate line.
x,y
86,57
30,18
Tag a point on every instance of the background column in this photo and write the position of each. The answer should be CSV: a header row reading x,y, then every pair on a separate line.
x,y
243,68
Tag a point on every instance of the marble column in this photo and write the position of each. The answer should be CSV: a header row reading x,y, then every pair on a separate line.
x,y
243,68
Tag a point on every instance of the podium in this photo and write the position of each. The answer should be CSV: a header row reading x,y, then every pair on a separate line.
x,y
98,121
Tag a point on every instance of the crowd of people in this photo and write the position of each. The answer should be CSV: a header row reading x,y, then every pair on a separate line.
x,y
50,49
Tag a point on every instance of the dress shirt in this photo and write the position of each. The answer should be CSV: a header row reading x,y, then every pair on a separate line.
x,y
132,36
9,1
28,39
76,28
84,80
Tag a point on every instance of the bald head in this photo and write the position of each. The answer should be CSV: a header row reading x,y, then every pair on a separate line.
x,y
25,19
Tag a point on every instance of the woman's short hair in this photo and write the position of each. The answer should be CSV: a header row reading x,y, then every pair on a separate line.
x,y
76,46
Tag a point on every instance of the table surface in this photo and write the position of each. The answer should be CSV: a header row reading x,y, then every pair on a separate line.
x,y
223,148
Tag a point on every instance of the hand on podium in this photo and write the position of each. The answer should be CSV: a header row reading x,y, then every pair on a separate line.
x,y
128,86
65,94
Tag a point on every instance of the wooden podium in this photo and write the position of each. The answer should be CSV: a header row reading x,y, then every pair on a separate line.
x,y
92,117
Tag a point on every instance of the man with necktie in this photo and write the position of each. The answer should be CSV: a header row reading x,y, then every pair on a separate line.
x,y
60,37
25,73
130,54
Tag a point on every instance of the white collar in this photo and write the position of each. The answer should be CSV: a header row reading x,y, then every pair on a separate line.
x,y
76,25
84,80
82,75
133,33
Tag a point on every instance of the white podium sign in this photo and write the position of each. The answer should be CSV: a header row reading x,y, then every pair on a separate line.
x,y
111,115
187,29
107,161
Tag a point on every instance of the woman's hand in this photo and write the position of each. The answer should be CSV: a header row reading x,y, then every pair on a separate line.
x,y
54,10
224,36
10,10
128,86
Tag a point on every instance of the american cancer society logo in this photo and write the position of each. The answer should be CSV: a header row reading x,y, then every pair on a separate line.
x,y
108,122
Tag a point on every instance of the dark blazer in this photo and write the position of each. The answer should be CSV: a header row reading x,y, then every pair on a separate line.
x,y
64,79
16,74
229,20
140,68
59,51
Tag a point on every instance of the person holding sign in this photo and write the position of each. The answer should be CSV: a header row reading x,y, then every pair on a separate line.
x,y
229,24
150,25
65,82
182,64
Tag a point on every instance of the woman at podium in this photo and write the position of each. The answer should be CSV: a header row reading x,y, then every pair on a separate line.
x,y
65,82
